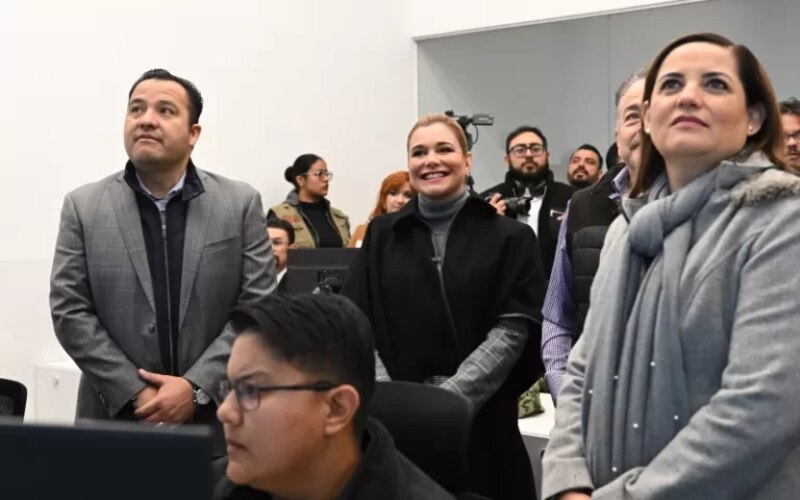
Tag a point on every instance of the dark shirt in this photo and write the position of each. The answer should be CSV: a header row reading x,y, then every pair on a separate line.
x,y
163,237
321,224
554,203
427,321
383,474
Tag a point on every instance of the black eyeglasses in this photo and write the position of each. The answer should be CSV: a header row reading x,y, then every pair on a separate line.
x,y
321,174
521,149
248,395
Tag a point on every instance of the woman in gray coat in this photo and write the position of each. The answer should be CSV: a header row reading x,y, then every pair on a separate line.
x,y
686,381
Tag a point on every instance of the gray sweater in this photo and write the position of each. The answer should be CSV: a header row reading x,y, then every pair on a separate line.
x,y
740,331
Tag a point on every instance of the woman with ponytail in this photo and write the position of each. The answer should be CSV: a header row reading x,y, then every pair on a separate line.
x,y
316,223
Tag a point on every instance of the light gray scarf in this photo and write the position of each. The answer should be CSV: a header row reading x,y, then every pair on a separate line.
x,y
635,394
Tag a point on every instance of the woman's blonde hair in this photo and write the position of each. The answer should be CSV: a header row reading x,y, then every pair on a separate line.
x,y
430,119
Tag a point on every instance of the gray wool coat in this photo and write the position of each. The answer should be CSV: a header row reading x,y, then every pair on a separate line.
x,y
740,331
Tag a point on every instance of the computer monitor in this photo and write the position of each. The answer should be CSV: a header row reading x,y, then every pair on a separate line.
x,y
317,269
109,460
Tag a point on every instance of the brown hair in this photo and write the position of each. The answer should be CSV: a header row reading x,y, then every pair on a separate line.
x,y
757,89
430,119
392,182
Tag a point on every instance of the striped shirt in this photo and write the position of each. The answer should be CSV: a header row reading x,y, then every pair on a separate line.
x,y
559,311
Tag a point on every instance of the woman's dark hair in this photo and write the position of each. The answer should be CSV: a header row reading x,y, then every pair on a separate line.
x,y
300,166
757,89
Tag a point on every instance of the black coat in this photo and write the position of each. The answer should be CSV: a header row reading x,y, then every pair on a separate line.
x,y
556,197
383,474
591,212
491,269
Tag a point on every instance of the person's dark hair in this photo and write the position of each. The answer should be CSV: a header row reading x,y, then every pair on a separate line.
x,y
324,335
790,106
758,91
194,97
521,130
589,147
300,166
283,224
612,156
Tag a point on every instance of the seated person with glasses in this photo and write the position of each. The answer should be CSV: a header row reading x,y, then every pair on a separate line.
x,y
316,223
300,376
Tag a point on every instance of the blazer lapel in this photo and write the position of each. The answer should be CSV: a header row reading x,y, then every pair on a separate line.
x,y
130,225
198,217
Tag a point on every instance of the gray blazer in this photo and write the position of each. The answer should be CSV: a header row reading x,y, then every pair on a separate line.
x,y
101,294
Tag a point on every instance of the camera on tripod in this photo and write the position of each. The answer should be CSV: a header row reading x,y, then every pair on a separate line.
x,y
476,120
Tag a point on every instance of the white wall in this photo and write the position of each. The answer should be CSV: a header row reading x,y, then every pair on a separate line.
x,y
279,79
430,18
561,76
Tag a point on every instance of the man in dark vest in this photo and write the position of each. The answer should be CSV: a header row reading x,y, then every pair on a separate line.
x,y
581,237
529,192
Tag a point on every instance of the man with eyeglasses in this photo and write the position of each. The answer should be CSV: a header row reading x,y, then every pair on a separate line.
x,y
529,193
300,376
790,118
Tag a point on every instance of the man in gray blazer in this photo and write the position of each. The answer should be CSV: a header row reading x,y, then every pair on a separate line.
x,y
148,264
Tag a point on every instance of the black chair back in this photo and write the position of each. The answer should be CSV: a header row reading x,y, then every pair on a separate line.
x,y
13,398
430,426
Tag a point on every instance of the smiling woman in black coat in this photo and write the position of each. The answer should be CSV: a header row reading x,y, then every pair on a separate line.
x,y
454,293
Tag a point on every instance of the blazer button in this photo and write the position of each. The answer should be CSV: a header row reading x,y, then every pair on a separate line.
x,y
151,328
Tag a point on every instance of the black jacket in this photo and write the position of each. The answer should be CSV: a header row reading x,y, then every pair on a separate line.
x,y
427,323
591,211
384,474
556,197
164,243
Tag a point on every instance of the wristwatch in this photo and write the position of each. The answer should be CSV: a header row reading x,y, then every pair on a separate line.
x,y
201,397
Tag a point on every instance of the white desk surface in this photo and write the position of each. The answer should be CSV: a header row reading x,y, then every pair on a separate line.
x,y
539,425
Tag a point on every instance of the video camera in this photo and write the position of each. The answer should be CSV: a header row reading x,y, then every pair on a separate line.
x,y
519,205
476,120
516,205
